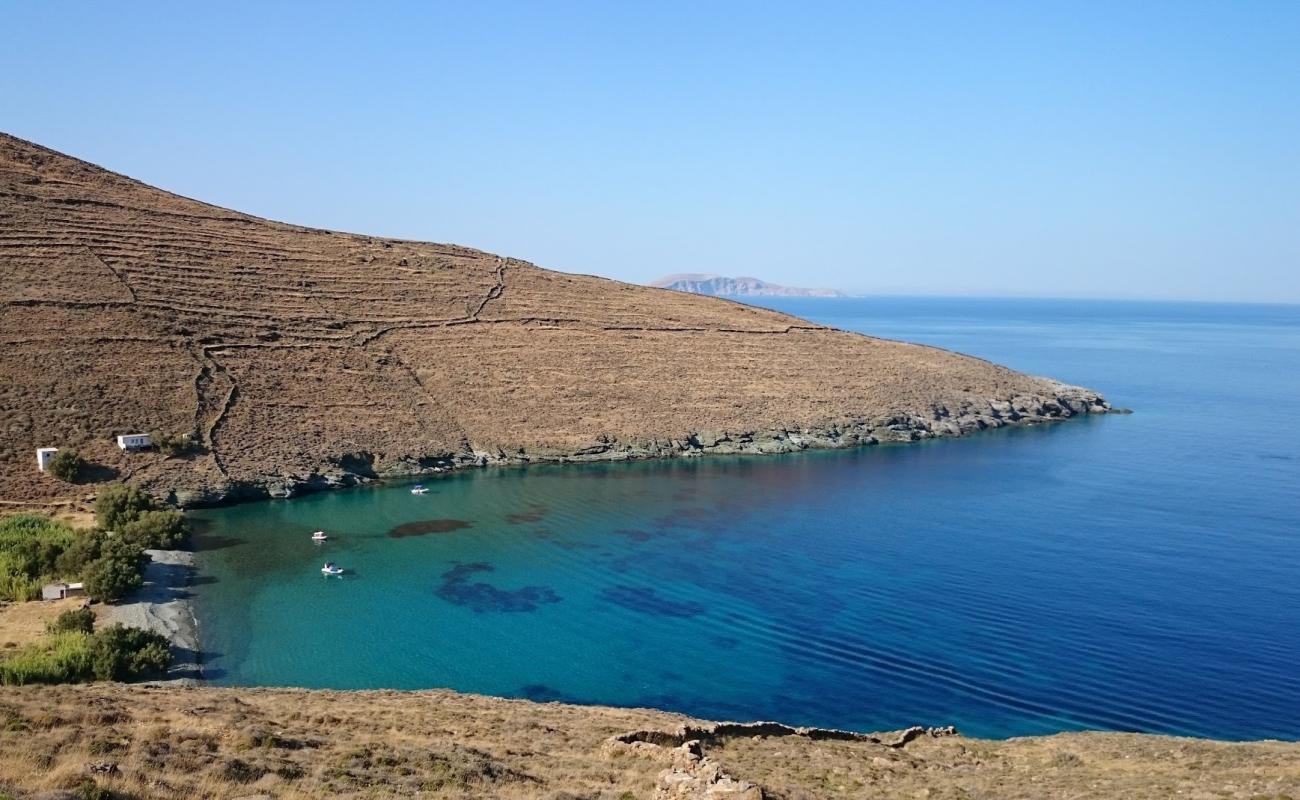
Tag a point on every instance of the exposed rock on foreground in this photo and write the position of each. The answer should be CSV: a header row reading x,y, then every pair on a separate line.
x,y
303,359
155,743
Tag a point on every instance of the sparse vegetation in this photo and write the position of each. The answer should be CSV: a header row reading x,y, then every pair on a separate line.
x,y
175,445
67,466
170,743
260,411
59,658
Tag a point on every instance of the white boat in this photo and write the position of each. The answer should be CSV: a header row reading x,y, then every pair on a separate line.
x,y
419,489
331,569
319,536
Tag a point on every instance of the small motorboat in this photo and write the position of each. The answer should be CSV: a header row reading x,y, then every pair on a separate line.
x,y
331,569
419,488
319,536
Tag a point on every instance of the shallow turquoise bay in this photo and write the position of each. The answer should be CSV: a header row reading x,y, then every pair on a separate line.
x,y
1129,572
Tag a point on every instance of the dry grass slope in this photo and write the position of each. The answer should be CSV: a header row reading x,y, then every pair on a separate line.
x,y
298,355
174,742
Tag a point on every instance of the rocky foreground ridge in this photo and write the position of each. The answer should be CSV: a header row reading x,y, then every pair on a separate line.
x,y
156,743
298,359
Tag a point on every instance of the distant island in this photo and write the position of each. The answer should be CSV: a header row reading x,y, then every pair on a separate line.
x,y
722,286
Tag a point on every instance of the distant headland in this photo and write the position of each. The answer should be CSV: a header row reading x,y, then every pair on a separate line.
x,y
264,359
722,286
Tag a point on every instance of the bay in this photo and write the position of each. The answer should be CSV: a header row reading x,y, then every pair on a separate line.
x,y
1135,572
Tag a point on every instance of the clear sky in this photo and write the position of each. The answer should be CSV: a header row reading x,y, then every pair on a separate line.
x,y
1095,149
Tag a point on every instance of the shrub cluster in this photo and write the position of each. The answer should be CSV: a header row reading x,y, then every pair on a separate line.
x,y
67,465
136,517
115,653
117,569
109,564
35,550
77,620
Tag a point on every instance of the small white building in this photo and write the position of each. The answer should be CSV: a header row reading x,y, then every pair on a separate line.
x,y
134,441
58,591
44,455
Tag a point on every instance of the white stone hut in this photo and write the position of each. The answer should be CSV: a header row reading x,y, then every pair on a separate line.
x,y
44,455
58,591
134,441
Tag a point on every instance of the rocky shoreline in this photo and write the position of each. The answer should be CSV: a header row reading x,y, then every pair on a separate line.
x,y
1063,402
163,605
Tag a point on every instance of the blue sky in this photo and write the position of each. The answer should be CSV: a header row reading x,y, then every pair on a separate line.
x,y
1147,150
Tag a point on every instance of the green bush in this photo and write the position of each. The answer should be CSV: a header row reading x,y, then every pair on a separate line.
x,y
81,553
67,465
117,570
156,529
77,620
137,517
119,504
118,653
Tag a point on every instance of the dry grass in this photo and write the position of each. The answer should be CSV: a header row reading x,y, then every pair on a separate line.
x,y
182,743
177,742
288,350
1078,765
76,514
24,623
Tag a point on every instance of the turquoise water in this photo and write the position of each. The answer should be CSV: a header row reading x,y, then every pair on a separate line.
x,y
1127,572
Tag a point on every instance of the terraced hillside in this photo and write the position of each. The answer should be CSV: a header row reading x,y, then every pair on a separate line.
x,y
300,358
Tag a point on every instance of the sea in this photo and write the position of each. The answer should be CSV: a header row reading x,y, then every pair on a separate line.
x,y
1122,572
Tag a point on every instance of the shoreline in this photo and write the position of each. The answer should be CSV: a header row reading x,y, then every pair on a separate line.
x,y
165,606
1063,403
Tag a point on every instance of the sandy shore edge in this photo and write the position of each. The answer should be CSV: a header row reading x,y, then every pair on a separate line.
x,y
164,605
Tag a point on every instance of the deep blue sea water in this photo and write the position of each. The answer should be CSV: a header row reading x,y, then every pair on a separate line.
x,y
1124,572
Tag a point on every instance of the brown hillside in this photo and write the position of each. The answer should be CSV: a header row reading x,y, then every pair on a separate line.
x,y
301,357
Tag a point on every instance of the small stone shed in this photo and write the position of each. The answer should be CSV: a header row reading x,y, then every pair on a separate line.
x,y
58,591
44,455
134,441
